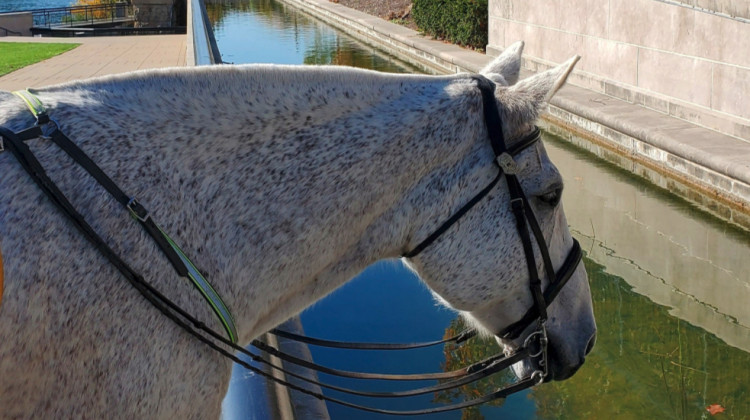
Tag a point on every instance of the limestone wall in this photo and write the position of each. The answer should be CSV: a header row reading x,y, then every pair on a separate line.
x,y
154,13
16,24
733,8
686,58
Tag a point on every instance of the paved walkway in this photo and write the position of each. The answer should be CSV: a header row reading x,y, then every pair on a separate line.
x,y
97,56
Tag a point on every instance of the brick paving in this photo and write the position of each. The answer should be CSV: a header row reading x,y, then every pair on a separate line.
x,y
97,56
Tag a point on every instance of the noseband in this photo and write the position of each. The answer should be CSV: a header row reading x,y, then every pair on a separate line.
x,y
534,346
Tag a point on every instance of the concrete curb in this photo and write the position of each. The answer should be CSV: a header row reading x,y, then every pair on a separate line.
x,y
293,404
703,166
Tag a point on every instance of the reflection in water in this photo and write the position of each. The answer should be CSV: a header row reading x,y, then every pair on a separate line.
x,y
460,356
661,245
267,31
16,5
647,364
644,247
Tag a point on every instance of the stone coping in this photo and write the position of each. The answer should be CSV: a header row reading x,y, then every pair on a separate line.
x,y
292,404
711,164
201,46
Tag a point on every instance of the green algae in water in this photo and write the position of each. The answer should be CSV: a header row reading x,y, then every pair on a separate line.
x,y
647,364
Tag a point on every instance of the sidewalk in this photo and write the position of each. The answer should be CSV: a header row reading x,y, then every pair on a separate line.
x,y
700,165
97,56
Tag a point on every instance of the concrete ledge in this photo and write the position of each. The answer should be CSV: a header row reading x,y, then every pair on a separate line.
x,y
292,404
703,166
201,45
435,56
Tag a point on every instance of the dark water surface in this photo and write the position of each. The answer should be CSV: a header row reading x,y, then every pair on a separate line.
x,y
669,283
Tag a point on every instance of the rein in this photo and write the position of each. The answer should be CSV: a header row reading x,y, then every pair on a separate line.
x,y
534,346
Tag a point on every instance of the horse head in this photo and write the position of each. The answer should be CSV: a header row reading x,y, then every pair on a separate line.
x,y
479,266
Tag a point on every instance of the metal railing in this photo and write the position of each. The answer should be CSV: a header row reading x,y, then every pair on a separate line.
x,y
83,15
202,48
6,31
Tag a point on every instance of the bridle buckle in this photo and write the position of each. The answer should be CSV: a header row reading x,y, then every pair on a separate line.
x,y
507,164
540,334
137,210
538,377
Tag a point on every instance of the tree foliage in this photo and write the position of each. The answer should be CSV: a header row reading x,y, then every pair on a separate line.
x,y
460,356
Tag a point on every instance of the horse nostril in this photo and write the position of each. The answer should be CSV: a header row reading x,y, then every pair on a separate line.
x,y
590,345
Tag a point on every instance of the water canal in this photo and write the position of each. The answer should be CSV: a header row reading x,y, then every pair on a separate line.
x,y
669,283
17,5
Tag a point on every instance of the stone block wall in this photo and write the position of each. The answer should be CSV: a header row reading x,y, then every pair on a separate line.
x,y
16,24
733,8
154,13
686,58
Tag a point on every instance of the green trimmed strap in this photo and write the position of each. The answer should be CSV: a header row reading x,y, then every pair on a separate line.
x,y
34,104
181,263
208,292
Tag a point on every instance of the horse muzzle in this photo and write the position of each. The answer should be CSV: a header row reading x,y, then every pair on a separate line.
x,y
550,357
564,363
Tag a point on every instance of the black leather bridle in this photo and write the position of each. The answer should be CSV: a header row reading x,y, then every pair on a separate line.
x,y
534,345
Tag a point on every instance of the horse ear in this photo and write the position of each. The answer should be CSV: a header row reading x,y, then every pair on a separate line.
x,y
540,88
522,103
507,65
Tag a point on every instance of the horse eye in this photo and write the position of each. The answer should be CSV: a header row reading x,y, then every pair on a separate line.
x,y
551,198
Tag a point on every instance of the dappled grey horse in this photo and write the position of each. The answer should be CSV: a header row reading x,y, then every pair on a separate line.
x,y
280,183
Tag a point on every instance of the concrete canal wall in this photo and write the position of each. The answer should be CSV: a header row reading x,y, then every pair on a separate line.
x,y
201,45
154,13
689,59
697,162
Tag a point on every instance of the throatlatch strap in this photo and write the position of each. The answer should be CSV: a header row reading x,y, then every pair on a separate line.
x,y
453,219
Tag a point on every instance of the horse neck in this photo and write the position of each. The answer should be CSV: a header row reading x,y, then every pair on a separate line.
x,y
292,181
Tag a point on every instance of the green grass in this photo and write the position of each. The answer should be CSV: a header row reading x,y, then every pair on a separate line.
x,y
15,55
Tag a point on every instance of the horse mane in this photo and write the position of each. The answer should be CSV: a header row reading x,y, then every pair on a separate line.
x,y
223,77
